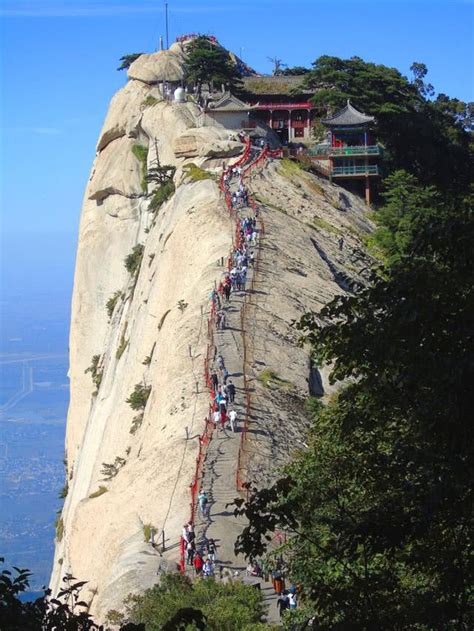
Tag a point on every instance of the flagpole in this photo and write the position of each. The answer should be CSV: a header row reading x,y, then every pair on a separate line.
x,y
166,17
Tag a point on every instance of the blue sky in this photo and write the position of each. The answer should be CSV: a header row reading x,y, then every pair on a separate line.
x,y
58,75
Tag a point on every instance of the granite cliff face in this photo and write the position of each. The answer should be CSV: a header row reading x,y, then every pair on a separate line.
x,y
156,335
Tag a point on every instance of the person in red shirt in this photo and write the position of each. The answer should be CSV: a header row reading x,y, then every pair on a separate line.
x,y
223,418
198,563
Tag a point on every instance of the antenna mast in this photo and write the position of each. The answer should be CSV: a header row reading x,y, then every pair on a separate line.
x,y
166,19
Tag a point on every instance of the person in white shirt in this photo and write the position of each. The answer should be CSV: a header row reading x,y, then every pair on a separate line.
x,y
216,418
233,419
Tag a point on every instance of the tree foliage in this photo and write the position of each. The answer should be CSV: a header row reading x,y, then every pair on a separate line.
x,y
278,66
207,62
133,260
139,397
67,612
427,138
127,60
176,603
379,509
209,604
295,71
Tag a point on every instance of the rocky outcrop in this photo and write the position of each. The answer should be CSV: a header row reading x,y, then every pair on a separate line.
x,y
128,468
206,142
125,112
117,172
166,65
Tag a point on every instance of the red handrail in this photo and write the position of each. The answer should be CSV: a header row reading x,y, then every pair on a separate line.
x,y
206,436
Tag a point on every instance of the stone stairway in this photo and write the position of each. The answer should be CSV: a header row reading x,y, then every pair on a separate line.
x,y
220,467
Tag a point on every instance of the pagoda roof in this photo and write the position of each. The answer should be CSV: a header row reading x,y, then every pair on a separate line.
x,y
228,103
349,117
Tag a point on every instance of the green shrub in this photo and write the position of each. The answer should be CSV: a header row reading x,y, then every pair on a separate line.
x,y
289,168
160,173
127,60
59,526
139,397
114,618
270,378
232,606
100,491
112,302
196,174
121,347
133,261
147,530
147,360
325,225
109,471
160,196
63,492
141,154
314,406
96,374
150,101
136,423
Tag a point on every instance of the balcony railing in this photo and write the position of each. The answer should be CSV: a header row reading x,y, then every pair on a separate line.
x,y
362,150
370,169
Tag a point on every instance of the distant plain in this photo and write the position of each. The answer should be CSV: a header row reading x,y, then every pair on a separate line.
x,y
34,396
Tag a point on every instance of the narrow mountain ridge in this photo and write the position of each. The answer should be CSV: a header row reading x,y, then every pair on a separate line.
x,y
143,329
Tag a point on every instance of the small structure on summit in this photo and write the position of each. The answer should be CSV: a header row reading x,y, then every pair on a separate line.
x,y
229,111
180,95
351,152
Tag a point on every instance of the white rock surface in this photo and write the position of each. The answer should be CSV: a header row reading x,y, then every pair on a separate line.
x,y
102,541
206,142
125,112
165,65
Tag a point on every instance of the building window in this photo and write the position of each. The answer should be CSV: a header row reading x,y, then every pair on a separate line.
x,y
299,132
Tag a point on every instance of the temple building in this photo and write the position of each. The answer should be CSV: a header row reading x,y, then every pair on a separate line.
x,y
282,103
229,111
350,152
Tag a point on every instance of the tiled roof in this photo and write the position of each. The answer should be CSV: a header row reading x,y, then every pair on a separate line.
x,y
348,116
273,85
228,103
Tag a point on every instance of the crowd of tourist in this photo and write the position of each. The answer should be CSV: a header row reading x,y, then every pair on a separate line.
x,y
202,558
